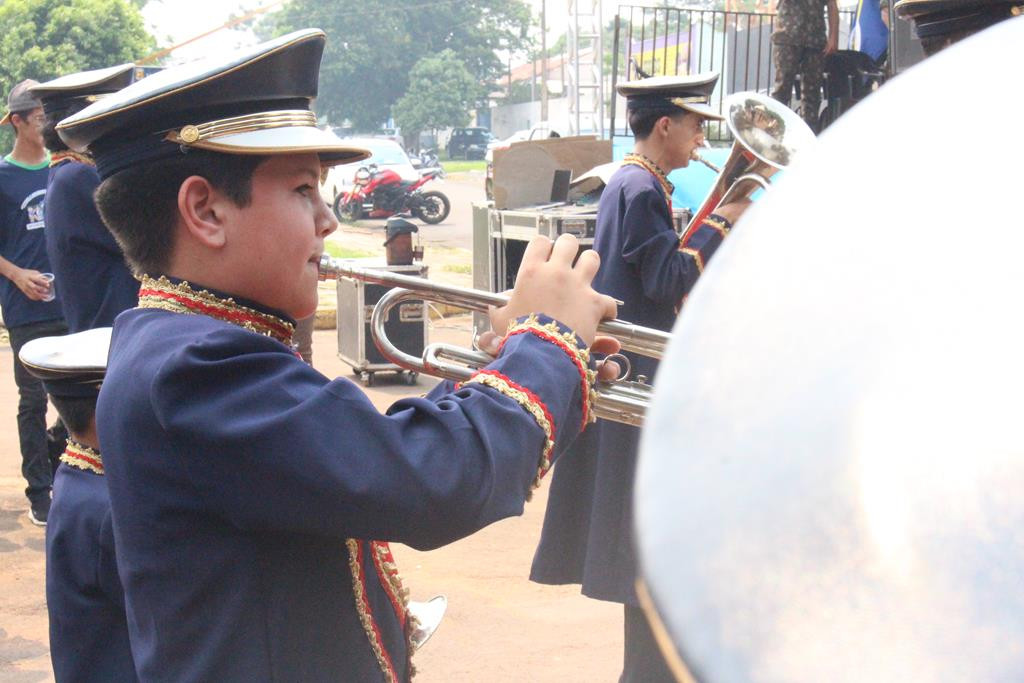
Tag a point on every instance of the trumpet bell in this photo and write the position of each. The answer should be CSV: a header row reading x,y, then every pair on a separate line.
x,y
426,618
769,131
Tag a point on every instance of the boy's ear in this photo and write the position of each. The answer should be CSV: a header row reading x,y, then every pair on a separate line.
x,y
203,209
663,124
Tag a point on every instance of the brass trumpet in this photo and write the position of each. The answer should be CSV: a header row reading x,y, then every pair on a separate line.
x,y
620,401
767,136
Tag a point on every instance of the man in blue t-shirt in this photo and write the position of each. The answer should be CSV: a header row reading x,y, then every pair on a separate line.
x,y
26,297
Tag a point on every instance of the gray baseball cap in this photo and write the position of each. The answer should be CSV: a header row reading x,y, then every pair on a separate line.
x,y
21,99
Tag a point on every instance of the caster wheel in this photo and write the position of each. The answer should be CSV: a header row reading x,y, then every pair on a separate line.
x,y
367,378
410,378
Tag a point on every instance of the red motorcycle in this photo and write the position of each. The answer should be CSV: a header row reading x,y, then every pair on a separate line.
x,y
380,193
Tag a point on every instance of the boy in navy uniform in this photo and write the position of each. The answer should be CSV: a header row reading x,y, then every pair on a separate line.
x,y
90,272
252,497
29,309
587,535
84,598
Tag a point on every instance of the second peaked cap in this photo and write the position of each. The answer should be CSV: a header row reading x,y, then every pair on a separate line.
x,y
62,93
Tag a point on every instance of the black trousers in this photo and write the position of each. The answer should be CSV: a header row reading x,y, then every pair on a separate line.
x,y
642,662
40,448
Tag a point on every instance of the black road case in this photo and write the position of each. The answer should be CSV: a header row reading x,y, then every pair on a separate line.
x,y
406,326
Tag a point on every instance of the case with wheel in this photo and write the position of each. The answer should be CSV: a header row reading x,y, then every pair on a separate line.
x,y
406,325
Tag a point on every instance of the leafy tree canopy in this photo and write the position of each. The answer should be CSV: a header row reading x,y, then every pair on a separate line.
x,y
372,46
441,92
43,39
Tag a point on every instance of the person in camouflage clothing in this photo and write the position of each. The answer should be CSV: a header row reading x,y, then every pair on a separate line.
x,y
800,47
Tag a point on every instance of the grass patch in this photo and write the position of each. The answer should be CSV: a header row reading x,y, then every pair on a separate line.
x,y
462,268
463,166
339,251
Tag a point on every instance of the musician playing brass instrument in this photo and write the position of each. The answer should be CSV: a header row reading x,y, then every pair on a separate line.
x,y
252,498
586,537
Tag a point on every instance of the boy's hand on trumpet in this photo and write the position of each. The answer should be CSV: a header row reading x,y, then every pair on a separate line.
x,y
549,283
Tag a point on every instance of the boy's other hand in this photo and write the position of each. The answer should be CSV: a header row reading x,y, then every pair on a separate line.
x,y
549,283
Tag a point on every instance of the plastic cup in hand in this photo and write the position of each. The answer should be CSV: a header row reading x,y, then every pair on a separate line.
x,y
51,293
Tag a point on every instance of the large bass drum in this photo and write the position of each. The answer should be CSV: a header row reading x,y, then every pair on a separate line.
x,y
831,480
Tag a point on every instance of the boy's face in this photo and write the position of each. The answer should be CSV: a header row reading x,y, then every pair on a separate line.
x,y
277,240
686,134
29,126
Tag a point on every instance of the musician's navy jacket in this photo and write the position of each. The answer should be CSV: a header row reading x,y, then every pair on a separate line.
x,y
587,534
88,630
239,476
93,280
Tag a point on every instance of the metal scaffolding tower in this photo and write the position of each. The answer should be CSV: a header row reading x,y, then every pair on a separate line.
x,y
585,72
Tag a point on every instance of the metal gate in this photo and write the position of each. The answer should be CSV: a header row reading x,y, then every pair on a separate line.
x,y
670,41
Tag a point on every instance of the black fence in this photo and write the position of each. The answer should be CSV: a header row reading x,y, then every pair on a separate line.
x,y
671,41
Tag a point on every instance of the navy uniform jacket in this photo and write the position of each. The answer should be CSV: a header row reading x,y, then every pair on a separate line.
x,y
238,476
93,280
587,533
88,629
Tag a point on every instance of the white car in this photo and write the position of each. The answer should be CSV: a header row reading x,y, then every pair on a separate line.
x,y
384,153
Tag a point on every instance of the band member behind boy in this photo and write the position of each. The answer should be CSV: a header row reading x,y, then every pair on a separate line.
x,y
587,526
84,598
94,281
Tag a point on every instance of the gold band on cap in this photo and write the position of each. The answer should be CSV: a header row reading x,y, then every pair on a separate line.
x,y
682,101
291,118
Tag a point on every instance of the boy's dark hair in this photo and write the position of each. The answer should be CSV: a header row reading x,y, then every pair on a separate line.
x,y
641,121
75,411
50,137
140,204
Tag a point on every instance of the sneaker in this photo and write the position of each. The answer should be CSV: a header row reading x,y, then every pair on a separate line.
x,y
38,513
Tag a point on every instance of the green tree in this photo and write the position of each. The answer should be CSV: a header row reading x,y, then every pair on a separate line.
x,y
43,39
441,92
372,46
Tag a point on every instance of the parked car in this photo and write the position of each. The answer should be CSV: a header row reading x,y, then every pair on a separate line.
x,y
386,154
468,143
394,134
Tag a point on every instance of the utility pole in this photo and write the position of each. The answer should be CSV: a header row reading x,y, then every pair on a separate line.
x,y
543,61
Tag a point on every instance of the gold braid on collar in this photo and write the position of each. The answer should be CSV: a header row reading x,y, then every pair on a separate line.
x,y
634,159
82,457
181,298
68,155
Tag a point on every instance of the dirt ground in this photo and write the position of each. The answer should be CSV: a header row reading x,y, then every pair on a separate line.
x,y
499,626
